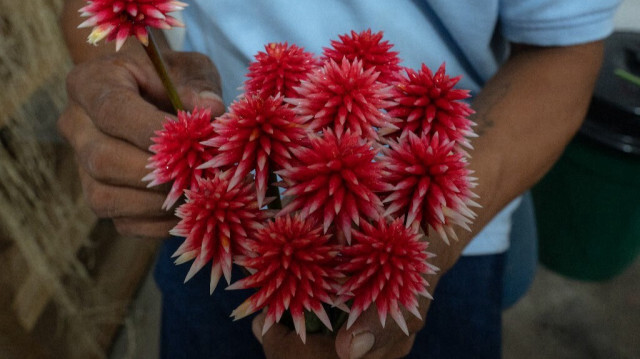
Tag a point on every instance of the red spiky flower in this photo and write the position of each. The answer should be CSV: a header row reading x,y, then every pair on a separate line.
x,y
336,181
293,266
178,152
431,183
216,221
428,103
256,133
369,48
278,70
385,266
119,19
344,97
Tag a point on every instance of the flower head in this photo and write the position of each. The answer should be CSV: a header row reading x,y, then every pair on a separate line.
x,y
336,181
385,266
293,266
344,96
369,48
278,70
119,19
428,103
431,183
178,152
256,133
216,223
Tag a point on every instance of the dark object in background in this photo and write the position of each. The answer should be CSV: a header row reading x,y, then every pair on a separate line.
x,y
588,205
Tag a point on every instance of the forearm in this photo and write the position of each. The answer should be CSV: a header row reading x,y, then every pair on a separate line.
x,y
526,115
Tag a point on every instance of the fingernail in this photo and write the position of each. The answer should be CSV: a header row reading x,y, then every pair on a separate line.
x,y
209,96
361,345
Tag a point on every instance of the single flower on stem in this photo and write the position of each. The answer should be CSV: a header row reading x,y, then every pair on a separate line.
x,y
343,96
256,134
178,152
371,50
278,70
294,268
428,103
216,222
385,265
336,181
431,183
119,19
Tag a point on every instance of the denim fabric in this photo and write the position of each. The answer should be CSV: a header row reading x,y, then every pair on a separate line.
x,y
196,325
463,322
465,317
521,260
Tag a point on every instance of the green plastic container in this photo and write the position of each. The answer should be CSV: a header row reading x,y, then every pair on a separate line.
x,y
588,212
588,206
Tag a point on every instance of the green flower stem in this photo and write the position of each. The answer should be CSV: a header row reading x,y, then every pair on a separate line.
x,y
627,76
161,68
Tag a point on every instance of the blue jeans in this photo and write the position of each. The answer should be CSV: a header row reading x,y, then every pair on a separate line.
x,y
464,320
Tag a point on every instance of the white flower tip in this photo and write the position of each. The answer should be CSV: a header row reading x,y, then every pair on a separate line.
x,y
195,268
170,201
399,319
99,33
185,257
119,42
151,177
87,23
179,4
242,311
268,322
215,278
144,39
414,310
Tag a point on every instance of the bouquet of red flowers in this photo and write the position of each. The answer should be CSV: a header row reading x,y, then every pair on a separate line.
x,y
368,156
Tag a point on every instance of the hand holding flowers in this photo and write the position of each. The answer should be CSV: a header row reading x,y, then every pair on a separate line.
x,y
366,155
361,186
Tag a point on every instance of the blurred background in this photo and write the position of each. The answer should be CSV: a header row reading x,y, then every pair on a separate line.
x,y
73,288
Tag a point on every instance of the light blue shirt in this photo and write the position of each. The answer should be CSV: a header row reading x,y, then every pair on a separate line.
x,y
471,36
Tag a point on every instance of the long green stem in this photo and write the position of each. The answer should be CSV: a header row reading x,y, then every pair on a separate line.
x,y
161,68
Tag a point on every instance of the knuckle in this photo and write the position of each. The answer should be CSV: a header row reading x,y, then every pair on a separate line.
x,y
125,227
202,60
73,78
77,78
105,105
205,69
69,124
64,123
108,108
100,200
96,160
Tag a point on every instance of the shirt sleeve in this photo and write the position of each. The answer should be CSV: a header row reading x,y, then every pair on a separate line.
x,y
556,22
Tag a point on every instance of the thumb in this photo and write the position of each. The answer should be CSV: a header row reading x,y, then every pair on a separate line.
x,y
197,81
282,342
359,339
197,94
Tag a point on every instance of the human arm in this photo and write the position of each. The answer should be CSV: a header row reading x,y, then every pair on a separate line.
x,y
526,115
116,102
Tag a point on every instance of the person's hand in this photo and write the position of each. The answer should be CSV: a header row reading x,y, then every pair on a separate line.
x,y
366,338
115,105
